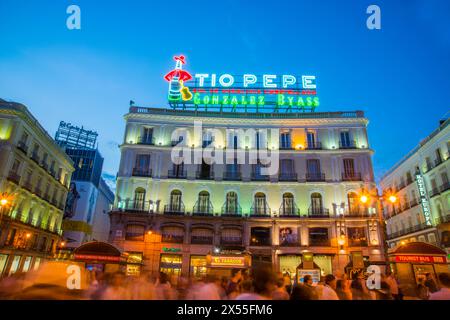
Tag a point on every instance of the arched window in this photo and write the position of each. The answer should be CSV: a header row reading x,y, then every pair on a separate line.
x,y
203,203
260,207
175,201
231,203
316,203
353,206
135,232
139,199
288,206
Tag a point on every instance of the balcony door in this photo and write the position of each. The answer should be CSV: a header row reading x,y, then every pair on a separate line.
x,y
316,203
345,138
313,167
143,163
349,167
285,140
205,170
311,139
260,204
352,199
231,204
147,135
139,198
288,204
203,202
178,169
175,200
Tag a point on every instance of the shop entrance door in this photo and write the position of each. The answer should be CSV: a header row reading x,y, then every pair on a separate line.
x,y
420,270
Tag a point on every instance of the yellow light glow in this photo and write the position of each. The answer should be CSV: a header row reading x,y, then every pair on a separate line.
x,y
28,235
149,232
363,198
3,202
63,244
341,242
403,243
393,199
299,147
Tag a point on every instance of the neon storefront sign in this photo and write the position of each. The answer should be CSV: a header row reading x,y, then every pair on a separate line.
x,y
247,92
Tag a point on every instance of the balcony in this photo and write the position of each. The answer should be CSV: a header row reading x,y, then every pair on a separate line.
x,y
289,211
14,177
314,146
406,231
319,242
357,211
139,172
347,144
437,161
147,140
351,176
203,209
434,192
174,209
232,176
231,241
203,175
28,186
201,239
231,210
35,157
444,187
443,219
22,146
260,211
177,174
259,177
172,238
137,206
318,212
287,176
38,192
44,165
413,203
315,177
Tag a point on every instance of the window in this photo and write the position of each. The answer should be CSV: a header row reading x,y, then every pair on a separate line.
x,y
135,232
203,203
444,178
27,264
318,237
15,166
231,203
10,238
175,201
285,140
15,265
205,170
316,204
408,177
147,136
357,236
260,207
353,204
37,263
311,139
313,166
288,205
3,261
139,198
287,167
142,163
207,139
24,138
432,238
438,156
260,140
349,167
260,236
345,139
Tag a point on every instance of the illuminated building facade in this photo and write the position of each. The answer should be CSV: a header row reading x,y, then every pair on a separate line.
x,y
169,217
420,182
34,176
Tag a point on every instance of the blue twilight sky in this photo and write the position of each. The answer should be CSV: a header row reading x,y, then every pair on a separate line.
x,y
399,75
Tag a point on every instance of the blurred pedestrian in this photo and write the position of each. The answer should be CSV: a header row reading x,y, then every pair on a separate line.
x,y
430,283
444,293
422,290
328,292
233,289
341,290
393,285
264,283
116,289
280,292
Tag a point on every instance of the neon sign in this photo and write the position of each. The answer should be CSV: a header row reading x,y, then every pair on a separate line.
x,y
423,199
247,92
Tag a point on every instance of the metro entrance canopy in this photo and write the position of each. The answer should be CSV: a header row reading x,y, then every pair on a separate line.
x,y
266,93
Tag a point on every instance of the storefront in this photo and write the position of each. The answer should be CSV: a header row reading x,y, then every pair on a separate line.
x,y
100,256
134,263
198,266
221,265
171,264
413,261
289,263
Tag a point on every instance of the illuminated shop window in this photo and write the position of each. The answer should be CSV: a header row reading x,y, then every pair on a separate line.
x,y
37,263
3,260
198,266
27,264
15,265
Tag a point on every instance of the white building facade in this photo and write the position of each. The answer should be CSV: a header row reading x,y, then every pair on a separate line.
x,y
310,203
420,181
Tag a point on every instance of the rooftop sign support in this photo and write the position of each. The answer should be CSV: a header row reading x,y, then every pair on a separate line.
x,y
240,93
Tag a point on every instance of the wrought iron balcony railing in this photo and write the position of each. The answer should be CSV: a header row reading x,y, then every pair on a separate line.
x,y
314,146
176,209
203,209
21,145
287,176
201,239
258,210
231,209
318,212
148,140
347,144
289,210
236,241
232,176
14,177
177,174
315,177
140,172
259,177
351,176
138,206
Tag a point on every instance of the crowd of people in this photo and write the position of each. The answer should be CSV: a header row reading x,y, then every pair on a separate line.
x,y
259,284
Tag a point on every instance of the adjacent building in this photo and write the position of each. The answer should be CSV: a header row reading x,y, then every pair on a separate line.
x,y
170,216
89,199
420,182
34,181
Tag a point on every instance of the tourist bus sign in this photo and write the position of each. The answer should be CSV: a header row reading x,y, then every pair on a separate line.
x,y
240,93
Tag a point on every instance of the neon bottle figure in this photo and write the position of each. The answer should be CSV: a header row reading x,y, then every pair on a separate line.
x,y
174,77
